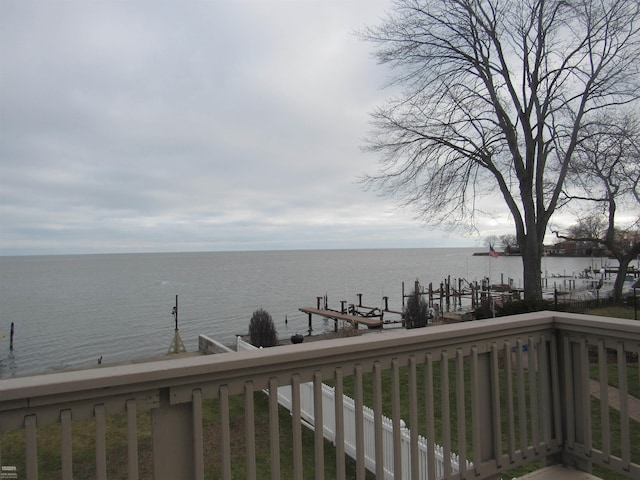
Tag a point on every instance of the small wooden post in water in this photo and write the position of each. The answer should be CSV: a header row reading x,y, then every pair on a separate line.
x,y
175,312
11,337
430,295
448,291
177,345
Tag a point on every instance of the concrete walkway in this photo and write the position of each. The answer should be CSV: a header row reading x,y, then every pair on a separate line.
x,y
614,399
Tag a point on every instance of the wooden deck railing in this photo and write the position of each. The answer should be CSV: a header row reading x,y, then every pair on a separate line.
x,y
371,457
500,393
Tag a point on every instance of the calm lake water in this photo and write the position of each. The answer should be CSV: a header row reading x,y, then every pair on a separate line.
x,y
69,310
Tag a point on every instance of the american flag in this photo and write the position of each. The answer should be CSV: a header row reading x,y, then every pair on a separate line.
x,y
492,252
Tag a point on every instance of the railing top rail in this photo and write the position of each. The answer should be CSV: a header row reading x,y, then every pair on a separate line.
x,y
598,326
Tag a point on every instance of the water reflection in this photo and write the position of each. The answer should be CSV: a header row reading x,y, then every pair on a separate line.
x,y
8,365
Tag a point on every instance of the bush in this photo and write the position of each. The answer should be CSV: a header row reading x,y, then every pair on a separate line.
x,y
484,310
515,307
416,312
262,331
509,307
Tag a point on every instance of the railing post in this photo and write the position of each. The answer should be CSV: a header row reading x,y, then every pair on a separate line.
x,y
31,446
485,435
575,400
172,435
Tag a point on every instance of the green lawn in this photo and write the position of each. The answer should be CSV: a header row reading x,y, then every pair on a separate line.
x,y
618,310
12,446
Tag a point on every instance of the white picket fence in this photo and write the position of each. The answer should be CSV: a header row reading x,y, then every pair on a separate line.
x,y
328,416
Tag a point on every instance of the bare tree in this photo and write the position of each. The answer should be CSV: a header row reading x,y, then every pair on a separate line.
x,y
589,232
624,245
509,242
491,240
591,226
604,181
494,95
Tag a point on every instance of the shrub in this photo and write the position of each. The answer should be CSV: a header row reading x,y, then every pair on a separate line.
x,y
485,310
262,331
509,307
416,312
514,307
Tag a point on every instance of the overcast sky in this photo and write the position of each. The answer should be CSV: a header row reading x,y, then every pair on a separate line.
x,y
130,126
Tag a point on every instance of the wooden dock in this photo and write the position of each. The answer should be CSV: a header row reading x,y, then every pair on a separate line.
x,y
445,303
355,320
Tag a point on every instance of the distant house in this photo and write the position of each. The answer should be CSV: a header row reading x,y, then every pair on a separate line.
x,y
566,248
572,248
512,250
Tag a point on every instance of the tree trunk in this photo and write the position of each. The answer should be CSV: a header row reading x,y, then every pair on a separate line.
x,y
531,263
624,259
620,277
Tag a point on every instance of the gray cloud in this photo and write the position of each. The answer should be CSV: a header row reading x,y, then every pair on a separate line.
x,y
156,126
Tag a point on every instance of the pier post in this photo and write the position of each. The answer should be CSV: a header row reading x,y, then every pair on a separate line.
x,y
473,296
360,300
11,337
448,290
310,327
